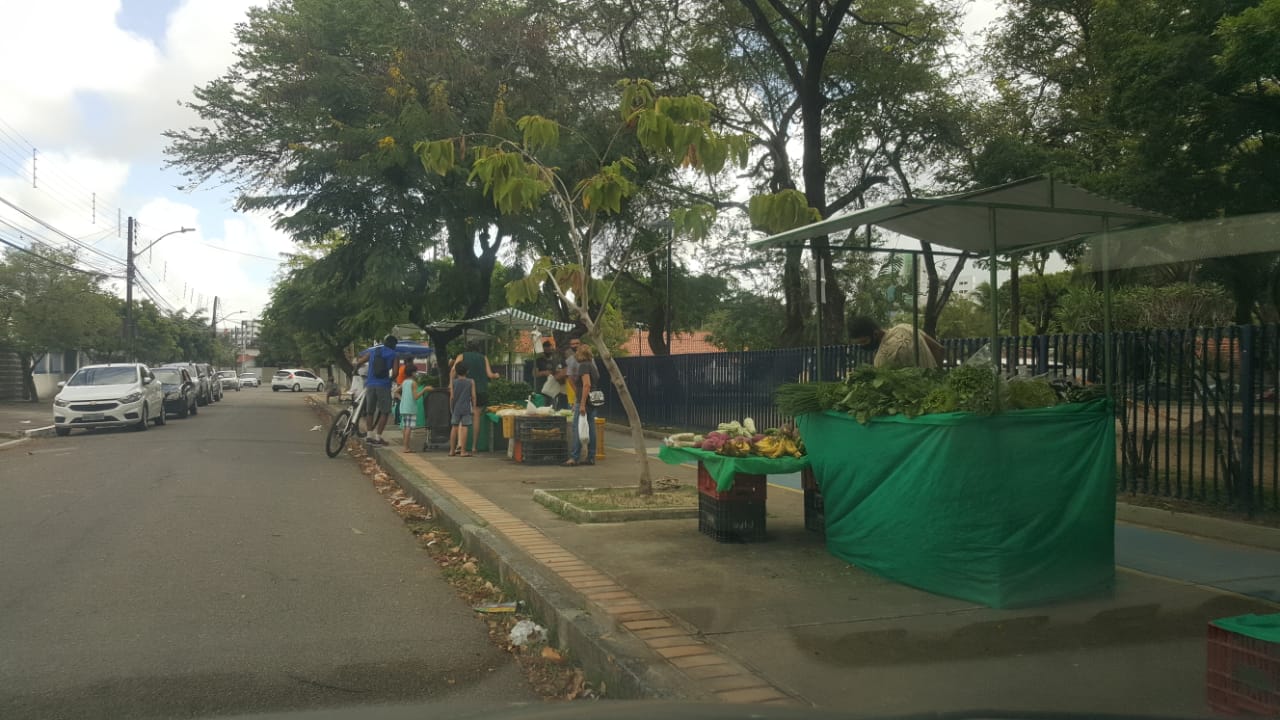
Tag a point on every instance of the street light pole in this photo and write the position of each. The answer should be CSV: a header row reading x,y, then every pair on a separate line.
x,y
130,269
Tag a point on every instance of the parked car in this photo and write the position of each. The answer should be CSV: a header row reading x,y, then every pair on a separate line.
x,y
249,380
228,379
215,385
179,390
118,395
204,395
296,380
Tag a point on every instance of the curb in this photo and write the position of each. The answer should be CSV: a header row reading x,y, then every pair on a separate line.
x,y
627,667
10,444
572,512
626,429
1232,531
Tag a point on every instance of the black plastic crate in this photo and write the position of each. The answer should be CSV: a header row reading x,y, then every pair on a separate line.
x,y
815,519
730,521
542,429
541,452
745,488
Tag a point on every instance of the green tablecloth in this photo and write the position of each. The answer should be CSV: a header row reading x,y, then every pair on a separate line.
x,y
1258,627
723,468
1007,510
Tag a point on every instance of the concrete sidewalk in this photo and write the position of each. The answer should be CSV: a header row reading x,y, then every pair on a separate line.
x,y
18,419
784,621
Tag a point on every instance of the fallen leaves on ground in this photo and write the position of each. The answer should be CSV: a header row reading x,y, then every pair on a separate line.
x,y
549,672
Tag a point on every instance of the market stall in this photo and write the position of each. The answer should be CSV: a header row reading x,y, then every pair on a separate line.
x,y
998,506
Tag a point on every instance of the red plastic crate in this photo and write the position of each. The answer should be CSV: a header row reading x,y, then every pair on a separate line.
x,y
746,488
1244,674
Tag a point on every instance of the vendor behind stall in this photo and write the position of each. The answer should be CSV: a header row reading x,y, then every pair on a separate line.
x,y
895,347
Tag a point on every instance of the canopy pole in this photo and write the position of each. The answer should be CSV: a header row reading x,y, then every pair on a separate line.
x,y
1109,350
915,305
817,273
995,311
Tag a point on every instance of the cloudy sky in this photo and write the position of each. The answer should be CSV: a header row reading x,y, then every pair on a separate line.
x,y
89,86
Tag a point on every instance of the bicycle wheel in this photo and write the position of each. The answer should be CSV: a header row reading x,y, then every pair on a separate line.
x,y
339,431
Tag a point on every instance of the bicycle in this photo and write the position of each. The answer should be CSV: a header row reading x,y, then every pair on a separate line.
x,y
347,423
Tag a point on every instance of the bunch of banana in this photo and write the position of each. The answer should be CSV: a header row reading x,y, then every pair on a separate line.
x,y
775,446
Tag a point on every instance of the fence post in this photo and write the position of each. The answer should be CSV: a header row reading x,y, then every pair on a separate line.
x,y
1244,484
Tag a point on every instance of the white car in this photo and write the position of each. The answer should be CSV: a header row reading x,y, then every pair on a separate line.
x,y
228,379
117,395
249,380
296,380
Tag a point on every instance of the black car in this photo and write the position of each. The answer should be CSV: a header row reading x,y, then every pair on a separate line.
x,y
179,391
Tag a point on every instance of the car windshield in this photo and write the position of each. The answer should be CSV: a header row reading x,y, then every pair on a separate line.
x,y
227,374
168,375
104,376
281,373
247,375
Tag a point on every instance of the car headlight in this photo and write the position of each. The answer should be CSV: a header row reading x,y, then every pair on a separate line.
x,y
59,402
132,397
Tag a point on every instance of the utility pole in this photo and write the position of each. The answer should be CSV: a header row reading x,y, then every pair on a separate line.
x,y
128,289
214,320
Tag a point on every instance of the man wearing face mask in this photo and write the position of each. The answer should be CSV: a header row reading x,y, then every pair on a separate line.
x,y
894,347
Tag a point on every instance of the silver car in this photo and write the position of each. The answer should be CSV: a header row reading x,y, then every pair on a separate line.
x,y
101,396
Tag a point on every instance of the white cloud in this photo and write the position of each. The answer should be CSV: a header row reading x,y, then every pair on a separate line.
x,y
190,268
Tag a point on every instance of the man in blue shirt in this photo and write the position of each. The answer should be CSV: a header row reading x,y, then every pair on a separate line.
x,y
382,370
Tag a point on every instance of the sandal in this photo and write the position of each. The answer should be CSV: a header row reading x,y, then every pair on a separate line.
x,y
570,463
466,454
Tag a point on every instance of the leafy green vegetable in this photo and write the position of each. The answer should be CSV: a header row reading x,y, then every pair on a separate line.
x,y
1027,394
975,388
798,399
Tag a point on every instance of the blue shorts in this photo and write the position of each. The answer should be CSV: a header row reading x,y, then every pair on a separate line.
x,y
463,419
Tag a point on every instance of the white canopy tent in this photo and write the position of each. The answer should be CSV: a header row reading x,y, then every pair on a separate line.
x,y
1033,213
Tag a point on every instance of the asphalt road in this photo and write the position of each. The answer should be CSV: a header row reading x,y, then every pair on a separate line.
x,y
221,564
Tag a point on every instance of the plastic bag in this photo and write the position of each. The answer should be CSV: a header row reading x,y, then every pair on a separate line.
x,y
584,427
525,632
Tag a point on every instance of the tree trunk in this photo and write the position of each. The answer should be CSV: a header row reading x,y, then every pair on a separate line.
x,y
795,298
1015,299
938,292
657,331
633,416
28,377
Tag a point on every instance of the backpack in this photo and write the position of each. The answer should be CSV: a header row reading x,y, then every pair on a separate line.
x,y
378,364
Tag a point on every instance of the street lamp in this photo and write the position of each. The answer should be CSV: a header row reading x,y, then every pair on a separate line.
x,y
130,254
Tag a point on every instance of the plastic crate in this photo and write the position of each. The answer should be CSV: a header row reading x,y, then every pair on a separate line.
x,y
1243,674
746,488
539,452
815,519
731,521
542,429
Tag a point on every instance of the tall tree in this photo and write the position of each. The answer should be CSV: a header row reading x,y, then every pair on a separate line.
x,y
521,174
315,119
46,305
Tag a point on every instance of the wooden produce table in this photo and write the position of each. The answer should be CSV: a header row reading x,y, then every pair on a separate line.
x,y
732,490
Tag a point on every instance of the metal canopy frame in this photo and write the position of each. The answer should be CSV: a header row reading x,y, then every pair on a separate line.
x,y
1035,213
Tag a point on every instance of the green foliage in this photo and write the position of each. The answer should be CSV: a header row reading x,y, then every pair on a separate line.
x,y
781,211
1181,305
502,390
746,321
877,392
1028,394
975,388
694,221
796,399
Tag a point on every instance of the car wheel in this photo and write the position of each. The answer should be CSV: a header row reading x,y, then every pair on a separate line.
x,y
201,400
62,432
185,412
319,387
275,389
297,387
162,417
145,421
195,406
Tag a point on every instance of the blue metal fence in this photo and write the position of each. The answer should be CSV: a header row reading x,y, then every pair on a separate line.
x,y
1197,411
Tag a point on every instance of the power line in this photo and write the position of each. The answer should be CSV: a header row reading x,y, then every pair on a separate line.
x,y
51,261
237,252
41,241
62,234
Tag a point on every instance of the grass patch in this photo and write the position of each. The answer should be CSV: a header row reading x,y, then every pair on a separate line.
x,y
626,498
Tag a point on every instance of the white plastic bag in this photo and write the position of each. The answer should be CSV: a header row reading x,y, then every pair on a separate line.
x,y
584,428
525,632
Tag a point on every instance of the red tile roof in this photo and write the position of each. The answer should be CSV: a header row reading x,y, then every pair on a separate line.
x,y
681,344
